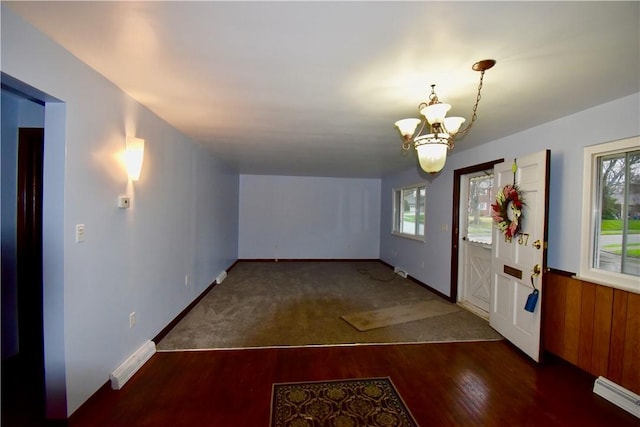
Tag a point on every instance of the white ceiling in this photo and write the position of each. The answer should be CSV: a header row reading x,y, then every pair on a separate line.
x,y
313,88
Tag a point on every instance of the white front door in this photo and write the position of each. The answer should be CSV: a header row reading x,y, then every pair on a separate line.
x,y
519,263
476,196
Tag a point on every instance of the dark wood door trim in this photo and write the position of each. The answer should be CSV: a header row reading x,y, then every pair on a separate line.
x,y
29,258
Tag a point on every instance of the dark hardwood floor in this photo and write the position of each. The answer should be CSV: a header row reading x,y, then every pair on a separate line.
x,y
22,402
455,384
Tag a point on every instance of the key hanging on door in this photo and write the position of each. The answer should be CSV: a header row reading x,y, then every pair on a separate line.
x,y
532,299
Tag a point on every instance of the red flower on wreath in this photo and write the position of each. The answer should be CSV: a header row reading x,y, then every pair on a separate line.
x,y
508,198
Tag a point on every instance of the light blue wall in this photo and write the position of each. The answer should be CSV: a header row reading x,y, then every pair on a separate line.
x,y
292,217
187,209
566,139
183,219
9,120
16,113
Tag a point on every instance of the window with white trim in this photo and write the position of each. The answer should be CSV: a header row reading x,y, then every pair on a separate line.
x,y
408,211
610,250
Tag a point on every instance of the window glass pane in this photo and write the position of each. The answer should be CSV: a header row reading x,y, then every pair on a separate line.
x,y
479,224
397,210
618,225
421,198
409,211
409,201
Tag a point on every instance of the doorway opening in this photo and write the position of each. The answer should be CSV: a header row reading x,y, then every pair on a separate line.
x,y
471,238
474,266
23,379
36,322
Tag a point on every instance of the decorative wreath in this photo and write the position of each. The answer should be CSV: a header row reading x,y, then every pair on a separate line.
x,y
508,198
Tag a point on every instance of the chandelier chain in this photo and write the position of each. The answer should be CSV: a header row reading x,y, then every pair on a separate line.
x,y
475,107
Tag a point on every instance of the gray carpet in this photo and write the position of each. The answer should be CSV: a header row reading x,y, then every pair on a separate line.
x,y
300,303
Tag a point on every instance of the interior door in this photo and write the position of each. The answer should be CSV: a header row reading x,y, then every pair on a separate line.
x,y
23,375
518,264
476,196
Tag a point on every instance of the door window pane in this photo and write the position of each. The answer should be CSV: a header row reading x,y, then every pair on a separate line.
x,y
479,224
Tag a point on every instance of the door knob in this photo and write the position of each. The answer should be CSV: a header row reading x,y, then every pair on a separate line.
x,y
536,270
535,273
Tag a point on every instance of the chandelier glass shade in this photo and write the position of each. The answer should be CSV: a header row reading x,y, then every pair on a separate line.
x,y
441,130
432,151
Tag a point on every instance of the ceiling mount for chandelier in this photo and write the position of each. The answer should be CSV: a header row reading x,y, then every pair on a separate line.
x,y
432,147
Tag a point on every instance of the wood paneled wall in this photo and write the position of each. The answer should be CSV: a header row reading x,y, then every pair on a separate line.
x,y
595,327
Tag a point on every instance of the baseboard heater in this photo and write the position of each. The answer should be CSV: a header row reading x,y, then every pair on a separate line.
x,y
618,395
400,272
221,277
124,372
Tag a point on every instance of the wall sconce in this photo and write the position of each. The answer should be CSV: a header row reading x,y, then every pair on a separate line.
x,y
134,156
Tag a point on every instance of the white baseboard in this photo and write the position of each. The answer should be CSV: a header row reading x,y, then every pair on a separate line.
x,y
400,272
124,372
618,395
221,277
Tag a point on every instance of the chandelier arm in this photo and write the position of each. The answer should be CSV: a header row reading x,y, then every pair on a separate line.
x,y
423,122
422,125
475,108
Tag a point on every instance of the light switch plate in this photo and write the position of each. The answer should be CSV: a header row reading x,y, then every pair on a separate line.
x,y
79,233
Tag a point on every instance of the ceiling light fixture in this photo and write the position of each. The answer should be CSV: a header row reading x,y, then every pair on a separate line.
x,y
432,147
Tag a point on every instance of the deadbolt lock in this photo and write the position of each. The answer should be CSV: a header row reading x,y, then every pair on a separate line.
x,y
538,244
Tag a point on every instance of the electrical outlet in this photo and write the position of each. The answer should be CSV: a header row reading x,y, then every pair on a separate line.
x,y
132,319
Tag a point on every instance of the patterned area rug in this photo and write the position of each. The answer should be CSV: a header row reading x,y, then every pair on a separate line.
x,y
343,403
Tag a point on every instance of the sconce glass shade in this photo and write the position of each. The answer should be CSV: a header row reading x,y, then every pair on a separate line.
x,y
435,113
452,124
134,156
407,127
432,152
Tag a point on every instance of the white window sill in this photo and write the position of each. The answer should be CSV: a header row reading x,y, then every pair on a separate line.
x,y
408,236
623,282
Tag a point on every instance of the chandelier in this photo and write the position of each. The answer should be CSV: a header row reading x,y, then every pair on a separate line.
x,y
432,147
